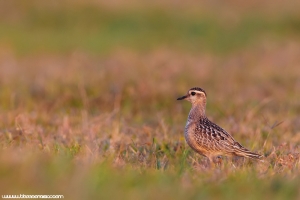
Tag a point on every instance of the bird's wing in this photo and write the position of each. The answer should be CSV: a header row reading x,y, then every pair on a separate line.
x,y
215,138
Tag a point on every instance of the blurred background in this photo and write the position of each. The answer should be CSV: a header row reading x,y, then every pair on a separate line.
x,y
50,49
88,80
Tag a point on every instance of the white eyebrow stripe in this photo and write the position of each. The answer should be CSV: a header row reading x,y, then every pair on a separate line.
x,y
196,91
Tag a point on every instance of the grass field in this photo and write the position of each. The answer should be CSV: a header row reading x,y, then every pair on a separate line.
x,y
88,95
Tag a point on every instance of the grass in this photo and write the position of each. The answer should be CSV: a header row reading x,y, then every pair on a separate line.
x,y
87,112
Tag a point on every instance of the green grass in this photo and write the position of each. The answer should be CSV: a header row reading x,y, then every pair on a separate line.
x,y
83,128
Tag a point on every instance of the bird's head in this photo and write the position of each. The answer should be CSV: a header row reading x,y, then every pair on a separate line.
x,y
195,95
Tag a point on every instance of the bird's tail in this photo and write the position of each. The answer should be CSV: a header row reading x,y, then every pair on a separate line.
x,y
242,151
251,155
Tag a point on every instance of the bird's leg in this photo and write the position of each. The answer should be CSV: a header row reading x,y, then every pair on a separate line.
x,y
209,162
214,161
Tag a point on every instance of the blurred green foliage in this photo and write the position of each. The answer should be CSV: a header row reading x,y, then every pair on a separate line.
x,y
98,30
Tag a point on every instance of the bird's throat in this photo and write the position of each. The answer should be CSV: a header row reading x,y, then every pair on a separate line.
x,y
197,112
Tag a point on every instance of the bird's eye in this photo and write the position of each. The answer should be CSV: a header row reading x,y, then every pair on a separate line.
x,y
193,93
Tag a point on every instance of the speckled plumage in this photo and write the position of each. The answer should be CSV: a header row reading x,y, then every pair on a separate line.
x,y
204,136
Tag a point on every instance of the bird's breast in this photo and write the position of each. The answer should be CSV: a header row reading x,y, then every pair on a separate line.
x,y
189,133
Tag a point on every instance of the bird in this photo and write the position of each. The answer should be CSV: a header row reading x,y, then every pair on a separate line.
x,y
207,138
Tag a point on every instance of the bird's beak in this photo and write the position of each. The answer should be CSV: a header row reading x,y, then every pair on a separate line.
x,y
181,98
